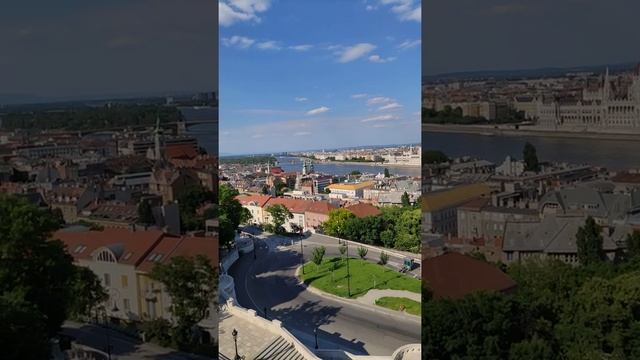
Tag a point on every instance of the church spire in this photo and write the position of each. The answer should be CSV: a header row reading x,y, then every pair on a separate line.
x,y
157,133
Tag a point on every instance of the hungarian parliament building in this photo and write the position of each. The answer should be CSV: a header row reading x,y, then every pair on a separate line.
x,y
608,104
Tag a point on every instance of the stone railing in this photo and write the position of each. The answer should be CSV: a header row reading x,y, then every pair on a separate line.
x,y
408,352
273,325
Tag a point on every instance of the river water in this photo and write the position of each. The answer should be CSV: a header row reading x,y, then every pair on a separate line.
x,y
206,134
295,164
612,154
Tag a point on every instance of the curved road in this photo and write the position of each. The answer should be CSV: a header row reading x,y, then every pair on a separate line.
x,y
269,281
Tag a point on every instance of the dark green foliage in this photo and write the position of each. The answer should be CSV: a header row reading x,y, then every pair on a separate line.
x,y
384,258
279,215
362,252
248,160
116,116
450,115
633,245
145,214
318,255
39,285
158,331
189,200
530,157
406,201
386,173
230,214
434,157
589,243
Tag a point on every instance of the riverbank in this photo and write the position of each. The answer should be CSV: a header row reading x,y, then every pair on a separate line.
x,y
492,130
368,163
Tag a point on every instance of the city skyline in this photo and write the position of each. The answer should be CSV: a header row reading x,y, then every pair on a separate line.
x,y
347,84
114,49
545,33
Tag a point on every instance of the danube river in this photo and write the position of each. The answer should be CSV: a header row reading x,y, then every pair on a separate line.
x,y
295,164
612,154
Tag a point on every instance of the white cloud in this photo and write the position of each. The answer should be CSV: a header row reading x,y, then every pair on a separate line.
x,y
379,118
301,99
239,42
316,111
408,44
359,96
407,10
233,11
302,133
380,125
302,47
377,59
354,52
391,106
268,45
379,100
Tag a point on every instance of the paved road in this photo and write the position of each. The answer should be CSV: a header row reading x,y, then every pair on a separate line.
x,y
122,347
270,281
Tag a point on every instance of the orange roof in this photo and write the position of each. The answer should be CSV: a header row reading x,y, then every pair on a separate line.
x,y
294,205
454,276
181,151
321,207
362,210
258,200
130,247
188,246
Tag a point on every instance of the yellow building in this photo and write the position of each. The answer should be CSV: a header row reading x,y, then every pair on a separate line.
x,y
350,190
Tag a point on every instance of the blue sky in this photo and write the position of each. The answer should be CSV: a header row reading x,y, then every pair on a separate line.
x,y
306,74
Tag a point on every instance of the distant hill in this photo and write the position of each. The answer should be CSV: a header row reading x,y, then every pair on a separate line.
x,y
524,73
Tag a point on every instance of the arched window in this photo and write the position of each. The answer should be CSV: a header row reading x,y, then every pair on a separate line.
x,y
106,256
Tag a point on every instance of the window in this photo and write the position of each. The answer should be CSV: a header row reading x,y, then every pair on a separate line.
x,y
107,280
125,281
126,304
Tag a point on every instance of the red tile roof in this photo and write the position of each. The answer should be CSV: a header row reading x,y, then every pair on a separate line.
x,y
454,275
188,246
294,205
259,200
321,207
129,246
362,210
181,151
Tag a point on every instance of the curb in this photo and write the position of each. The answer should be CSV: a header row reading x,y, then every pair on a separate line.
x,y
374,308
415,257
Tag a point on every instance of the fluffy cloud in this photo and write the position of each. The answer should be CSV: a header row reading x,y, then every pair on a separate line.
x,y
407,10
317,111
354,52
268,45
379,100
233,11
379,118
377,59
301,99
390,106
408,44
302,47
239,42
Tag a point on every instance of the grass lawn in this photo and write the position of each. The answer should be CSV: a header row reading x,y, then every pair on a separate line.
x,y
364,277
395,303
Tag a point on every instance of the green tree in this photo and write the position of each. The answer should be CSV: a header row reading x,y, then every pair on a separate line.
x,y
589,243
633,245
230,214
384,258
343,249
87,292
386,173
530,157
189,200
36,274
362,252
318,255
336,224
279,215
145,213
192,284
407,230
388,238
406,201
434,157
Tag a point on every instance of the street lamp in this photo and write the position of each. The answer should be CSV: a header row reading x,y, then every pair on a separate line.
x,y
301,255
235,340
106,328
348,274
315,333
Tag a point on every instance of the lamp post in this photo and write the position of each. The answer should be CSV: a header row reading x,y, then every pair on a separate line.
x,y
254,248
315,333
301,255
106,323
235,340
348,274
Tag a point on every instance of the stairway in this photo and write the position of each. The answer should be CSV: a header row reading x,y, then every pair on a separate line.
x,y
279,349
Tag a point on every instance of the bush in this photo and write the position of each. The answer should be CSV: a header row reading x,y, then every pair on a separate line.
x,y
362,252
384,258
157,331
